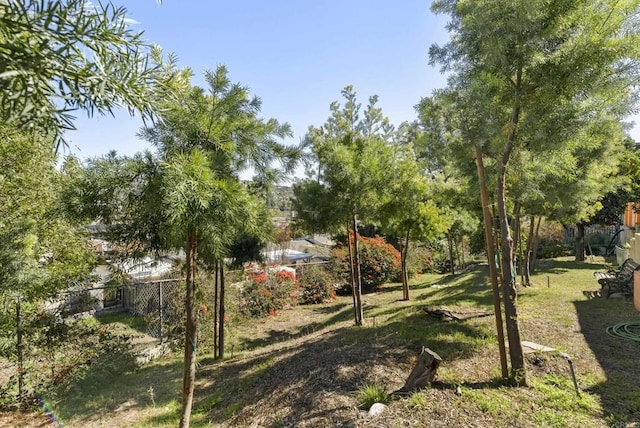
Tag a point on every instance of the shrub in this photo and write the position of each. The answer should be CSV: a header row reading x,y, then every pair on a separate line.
x,y
419,260
316,285
379,261
263,294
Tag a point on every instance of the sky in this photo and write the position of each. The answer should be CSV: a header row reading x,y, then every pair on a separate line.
x,y
295,55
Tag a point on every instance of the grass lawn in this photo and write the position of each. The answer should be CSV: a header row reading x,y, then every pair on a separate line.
x,y
305,366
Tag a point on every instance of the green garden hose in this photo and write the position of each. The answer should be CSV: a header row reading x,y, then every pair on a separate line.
x,y
625,331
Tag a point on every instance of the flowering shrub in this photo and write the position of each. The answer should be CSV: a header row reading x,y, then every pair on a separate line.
x,y
316,285
264,294
379,261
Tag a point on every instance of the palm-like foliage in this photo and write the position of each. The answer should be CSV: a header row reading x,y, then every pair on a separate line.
x,y
57,57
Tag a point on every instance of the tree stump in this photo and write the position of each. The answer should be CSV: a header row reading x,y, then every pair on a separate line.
x,y
423,373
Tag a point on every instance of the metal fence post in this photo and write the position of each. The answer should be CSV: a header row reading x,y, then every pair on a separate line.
x,y
161,314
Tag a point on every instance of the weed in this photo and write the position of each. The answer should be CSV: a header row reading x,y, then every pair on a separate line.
x,y
371,393
418,400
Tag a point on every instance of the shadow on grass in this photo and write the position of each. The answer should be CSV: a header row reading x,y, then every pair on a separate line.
x,y
563,266
620,393
112,384
314,380
324,372
470,287
341,312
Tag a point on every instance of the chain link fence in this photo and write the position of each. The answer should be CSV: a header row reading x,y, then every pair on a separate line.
x,y
156,301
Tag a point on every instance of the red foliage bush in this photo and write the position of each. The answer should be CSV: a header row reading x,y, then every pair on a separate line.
x,y
379,261
263,294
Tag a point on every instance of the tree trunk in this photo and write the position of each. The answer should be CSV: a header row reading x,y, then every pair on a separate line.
x,y
352,272
191,339
405,270
580,242
495,224
222,312
510,292
20,348
215,309
536,237
356,259
517,241
509,289
452,263
489,247
526,268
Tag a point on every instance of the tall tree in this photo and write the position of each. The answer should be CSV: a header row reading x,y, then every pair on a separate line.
x,y
540,68
351,155
189,195
42,252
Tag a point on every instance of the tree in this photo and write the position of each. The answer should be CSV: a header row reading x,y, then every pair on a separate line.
x,y
538,69
627,188
189,195
351,155
42,251
57,57
407,209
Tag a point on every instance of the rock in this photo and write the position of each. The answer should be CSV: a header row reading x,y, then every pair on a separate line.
x,y
458,391
376,409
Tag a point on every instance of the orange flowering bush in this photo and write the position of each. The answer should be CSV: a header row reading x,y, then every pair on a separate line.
x,y
265,293
379,261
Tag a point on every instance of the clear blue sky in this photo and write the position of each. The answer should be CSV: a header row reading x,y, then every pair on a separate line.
x,y
295,55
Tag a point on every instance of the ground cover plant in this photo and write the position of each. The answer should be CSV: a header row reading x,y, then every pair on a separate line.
x,y
306,365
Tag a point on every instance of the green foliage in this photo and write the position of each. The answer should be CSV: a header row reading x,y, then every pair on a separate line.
x,y
316,285
418,400
371,393
419,260
57,57
614,203
58,352
379,262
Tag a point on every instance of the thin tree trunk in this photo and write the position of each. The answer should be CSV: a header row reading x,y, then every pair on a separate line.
x,y
526,269
489,246
536,237
215,309
20,349
510,292
352,272
191,339
356,259
405,270
222,311
452,267
580,227
516,236
497,239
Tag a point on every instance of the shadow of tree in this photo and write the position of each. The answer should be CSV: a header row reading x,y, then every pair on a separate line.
x,y
341,313
620,393
329,368
96,395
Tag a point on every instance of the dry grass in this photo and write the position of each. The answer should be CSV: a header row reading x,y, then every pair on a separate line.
x,y
304,367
